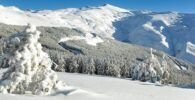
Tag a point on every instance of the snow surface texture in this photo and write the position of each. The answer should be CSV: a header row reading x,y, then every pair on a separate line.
x,y
88,38
166,31
29,67
190,48
89,20
108,88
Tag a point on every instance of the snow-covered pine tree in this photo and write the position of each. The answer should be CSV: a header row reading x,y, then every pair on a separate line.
x,y
89,66
151,69
29,67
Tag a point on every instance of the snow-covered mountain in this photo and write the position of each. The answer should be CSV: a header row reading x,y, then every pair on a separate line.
x,y
93,20
170,32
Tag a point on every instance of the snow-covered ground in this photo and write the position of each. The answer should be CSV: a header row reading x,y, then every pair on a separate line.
x,y
88,38
86,87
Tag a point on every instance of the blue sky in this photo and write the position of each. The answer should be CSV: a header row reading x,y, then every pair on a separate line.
x,y
154,5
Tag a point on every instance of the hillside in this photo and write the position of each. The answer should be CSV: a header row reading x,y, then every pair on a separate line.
x,y
80,53
170,32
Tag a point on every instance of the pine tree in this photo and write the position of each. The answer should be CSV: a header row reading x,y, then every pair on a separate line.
x,y
29,67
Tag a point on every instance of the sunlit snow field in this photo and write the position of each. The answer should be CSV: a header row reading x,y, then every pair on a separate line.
x,y
86,87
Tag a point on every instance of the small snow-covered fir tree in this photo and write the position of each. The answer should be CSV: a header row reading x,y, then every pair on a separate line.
x,y
29,67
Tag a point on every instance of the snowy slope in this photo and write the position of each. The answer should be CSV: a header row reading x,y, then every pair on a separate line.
x,y
93,20
170,32
88,38
107,88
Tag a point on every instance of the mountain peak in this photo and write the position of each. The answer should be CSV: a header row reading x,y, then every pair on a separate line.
x,y
112,7
107,5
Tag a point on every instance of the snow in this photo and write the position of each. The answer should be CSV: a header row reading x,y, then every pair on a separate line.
x,y
29,67
151,70
165,31
85,87
190,48
88,38
148,26
168,19
89,20
98,20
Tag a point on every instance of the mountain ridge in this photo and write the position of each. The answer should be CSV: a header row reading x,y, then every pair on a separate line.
x,y
170,32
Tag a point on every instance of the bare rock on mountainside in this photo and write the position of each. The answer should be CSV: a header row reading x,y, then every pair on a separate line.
x,y
29,67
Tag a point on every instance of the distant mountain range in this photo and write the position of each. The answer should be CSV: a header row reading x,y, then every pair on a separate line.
x,y
171,32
